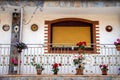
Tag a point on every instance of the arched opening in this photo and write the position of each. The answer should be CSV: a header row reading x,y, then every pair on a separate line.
x,y
58,30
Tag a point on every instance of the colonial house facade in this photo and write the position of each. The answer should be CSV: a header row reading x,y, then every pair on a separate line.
x,y
51,30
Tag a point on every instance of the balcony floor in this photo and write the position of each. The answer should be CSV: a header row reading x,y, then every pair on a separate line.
x,y
60,77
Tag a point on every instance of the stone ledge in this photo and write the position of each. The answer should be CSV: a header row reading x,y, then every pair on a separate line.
x,y
61,75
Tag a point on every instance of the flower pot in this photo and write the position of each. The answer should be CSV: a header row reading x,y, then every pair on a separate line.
x,y
104,72
39,71
79,71
118,48
80,50
55,73
15,69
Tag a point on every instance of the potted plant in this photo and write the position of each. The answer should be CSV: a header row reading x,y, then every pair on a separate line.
x,y
55,68
79,63
38,66
104,69
14,63
81,46
117,44
20,46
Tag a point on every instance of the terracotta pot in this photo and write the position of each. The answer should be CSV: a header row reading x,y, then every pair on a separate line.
x,y
118,48
39,71
55,73
79,71
104,72
80,50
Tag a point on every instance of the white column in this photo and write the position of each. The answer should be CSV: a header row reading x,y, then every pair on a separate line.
x,y
21,24
21,34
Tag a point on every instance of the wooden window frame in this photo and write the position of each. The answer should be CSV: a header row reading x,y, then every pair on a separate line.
x,y
72,22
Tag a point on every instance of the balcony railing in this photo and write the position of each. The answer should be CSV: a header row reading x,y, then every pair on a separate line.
x,y
108,55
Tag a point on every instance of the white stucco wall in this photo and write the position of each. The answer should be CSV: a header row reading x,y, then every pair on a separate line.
x,y
5,36
104,20
37,37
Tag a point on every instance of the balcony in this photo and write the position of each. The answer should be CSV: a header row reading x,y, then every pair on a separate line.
x,y
107,55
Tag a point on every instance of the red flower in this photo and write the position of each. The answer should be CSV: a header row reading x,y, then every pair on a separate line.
x,y
104,67
81,43
60,64
84,43
117,42
55,65
14,61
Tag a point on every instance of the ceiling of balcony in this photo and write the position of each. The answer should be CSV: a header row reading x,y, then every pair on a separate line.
x,y
63,7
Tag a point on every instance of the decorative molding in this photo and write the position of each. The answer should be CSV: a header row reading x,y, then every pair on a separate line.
x,y
34,27
6,27
108,28
95,33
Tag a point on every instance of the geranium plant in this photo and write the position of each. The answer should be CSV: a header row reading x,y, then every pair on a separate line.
x,y
37,65
55,68
79,61
103,67
14,61
20,46
81,45
117,42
